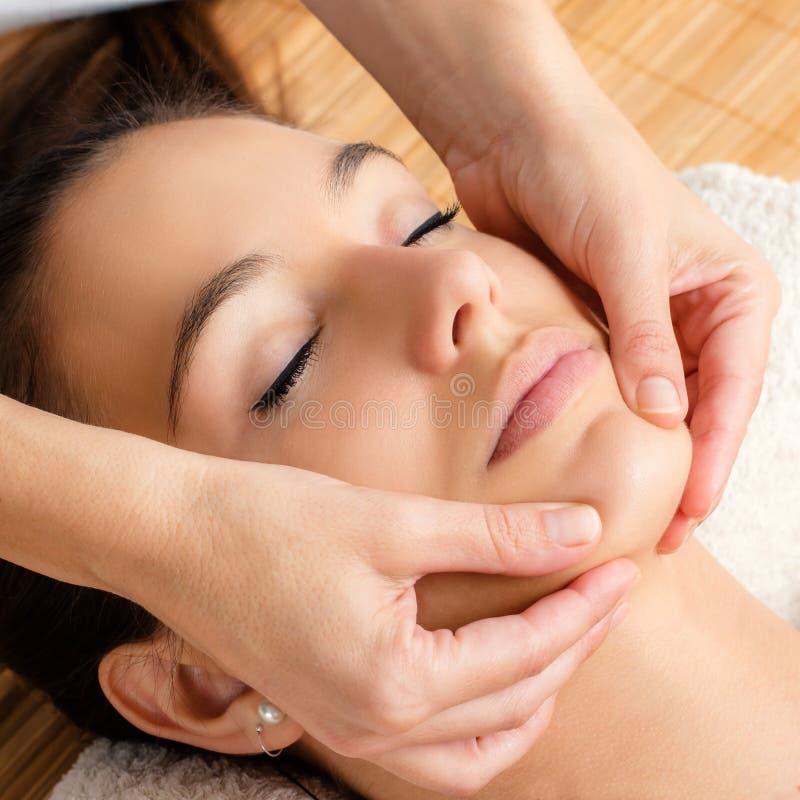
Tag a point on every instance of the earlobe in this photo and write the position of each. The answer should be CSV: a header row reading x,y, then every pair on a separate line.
x,y
193,701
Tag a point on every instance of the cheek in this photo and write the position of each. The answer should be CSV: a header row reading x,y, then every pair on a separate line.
x,y
634,473
370,427
529,290
631,471
602,453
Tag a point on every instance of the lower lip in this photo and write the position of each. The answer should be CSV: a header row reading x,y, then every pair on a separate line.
x,y
547,399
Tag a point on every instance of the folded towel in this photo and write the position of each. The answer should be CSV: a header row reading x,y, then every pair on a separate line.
x,y
755,531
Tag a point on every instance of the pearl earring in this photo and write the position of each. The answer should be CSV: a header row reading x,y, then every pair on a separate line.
x,y
269,715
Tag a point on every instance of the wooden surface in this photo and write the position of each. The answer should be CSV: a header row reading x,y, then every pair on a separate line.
x,y
37,744
703,80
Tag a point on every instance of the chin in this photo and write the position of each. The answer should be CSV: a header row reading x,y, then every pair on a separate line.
x,y
602,453
634,474
630,470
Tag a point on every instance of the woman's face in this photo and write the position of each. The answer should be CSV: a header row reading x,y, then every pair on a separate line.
x,y
411,375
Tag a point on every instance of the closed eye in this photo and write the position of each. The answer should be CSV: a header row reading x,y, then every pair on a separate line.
x,y
292,372
289,376
438,220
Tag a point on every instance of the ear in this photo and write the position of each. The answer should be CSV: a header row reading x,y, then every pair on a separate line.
x,y
188,700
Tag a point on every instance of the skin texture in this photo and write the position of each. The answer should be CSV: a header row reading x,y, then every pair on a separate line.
x,y
387,315
399,326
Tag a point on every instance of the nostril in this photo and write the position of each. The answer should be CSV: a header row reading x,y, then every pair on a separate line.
x,y
492,293
459,321
494,289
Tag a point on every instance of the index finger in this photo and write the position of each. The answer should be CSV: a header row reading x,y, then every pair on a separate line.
x,y
437,670
730,373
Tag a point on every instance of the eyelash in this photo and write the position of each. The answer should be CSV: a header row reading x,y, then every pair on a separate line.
x,y
438,220
292,372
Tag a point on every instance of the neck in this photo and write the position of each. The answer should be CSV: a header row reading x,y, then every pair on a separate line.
x,y
696,695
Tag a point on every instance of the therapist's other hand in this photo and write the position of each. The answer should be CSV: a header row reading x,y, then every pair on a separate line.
x,y
343,654
688,303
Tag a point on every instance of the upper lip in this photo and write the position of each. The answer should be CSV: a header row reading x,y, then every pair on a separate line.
x,y
535,355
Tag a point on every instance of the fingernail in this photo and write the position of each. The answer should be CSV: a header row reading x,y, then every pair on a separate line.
x,y
657,395
573,524
619,614
691,524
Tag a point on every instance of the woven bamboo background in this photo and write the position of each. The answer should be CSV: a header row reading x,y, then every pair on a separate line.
x,y
703,80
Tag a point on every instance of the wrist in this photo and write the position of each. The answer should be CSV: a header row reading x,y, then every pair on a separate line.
x,y
463,73
527,79
89,505
157,544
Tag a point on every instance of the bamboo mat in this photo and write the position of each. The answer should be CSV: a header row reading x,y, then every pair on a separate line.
x,y
703,80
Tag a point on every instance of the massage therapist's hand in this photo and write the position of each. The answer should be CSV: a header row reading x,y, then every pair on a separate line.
x,y
303,587
689,304
533,145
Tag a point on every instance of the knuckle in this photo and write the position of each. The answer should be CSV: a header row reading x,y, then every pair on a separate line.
x,y
647,338
758,278
749,387
341,743
402,717
506,533
393,518
551,646
519,713
537,657
347,739
394,710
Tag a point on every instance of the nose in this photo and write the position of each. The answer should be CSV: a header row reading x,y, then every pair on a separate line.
x,y
453,294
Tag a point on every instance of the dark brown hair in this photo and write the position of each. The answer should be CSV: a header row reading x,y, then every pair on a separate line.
x,y
68,99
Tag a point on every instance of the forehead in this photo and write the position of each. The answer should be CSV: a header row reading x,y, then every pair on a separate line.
x,y
135,240
181,169
190,189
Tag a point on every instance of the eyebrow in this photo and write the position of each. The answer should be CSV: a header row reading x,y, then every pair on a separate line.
x,y
230,281
235,278
343,168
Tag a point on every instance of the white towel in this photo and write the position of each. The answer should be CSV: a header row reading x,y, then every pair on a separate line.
x,y
755,531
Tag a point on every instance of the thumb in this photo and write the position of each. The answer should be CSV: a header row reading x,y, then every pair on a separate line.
x,y
433,535
644,351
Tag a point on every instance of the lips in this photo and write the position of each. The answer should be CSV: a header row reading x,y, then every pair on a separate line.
x,y
539,380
